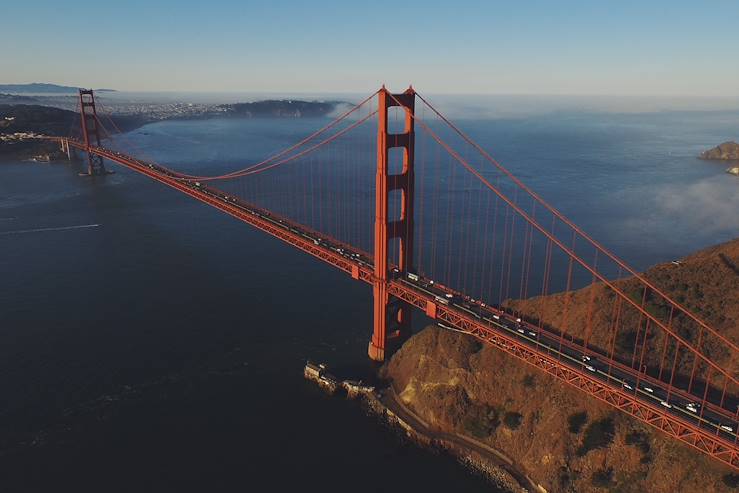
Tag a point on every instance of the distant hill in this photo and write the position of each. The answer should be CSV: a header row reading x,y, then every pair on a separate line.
x,y
55,121
35,118
47,120
42,88
13,98
279,108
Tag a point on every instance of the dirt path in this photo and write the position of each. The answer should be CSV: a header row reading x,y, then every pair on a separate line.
x,y
391,400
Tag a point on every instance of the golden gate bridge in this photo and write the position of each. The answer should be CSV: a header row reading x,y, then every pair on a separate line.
x,y
456,236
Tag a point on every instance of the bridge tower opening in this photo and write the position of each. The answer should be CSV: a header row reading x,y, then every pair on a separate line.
x,y
392,317
91,132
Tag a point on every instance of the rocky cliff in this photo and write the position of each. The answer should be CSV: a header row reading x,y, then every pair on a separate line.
x,y
562,439
725,151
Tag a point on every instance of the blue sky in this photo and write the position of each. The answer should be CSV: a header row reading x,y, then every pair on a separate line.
x,y
625,47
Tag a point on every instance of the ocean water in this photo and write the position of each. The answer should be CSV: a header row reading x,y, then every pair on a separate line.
x,y
150,343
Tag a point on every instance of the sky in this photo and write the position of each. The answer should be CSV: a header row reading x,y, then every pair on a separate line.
x,y
595,47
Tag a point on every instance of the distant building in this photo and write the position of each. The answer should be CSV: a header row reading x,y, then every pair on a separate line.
x,y
313,371
356,387
319,374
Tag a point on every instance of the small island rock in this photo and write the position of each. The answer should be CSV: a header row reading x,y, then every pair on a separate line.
x,y
725,151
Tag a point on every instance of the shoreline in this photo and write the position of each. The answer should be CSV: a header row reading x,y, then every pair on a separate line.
x,y
482,458
385,404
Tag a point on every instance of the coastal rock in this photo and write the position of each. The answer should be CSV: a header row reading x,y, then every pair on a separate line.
x,y
726,151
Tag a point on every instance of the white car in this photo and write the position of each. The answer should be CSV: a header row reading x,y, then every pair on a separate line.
x,y
521,331
518,320
590,368
627,386
532,333
693,407
496,317
728,428
585,357
666,404
648,389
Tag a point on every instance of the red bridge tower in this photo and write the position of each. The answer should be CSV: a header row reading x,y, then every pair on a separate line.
x,y
90,132
392,317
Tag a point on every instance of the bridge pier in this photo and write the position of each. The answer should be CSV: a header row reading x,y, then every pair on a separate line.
x,y
64,144
392,317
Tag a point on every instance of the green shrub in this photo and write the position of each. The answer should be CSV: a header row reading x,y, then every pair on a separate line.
x,y
476,345
565,477
636,294
638,439
480,421
529,381
626,340
597,435
731,480
576,421
602,478
512,420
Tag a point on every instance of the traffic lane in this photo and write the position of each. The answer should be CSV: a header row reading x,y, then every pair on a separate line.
x,y
649,382
657,396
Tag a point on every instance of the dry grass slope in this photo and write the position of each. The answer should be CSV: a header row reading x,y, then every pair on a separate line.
x,y
564,440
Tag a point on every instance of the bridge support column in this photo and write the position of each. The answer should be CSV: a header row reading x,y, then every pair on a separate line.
x,y
91,132
392,317
64,143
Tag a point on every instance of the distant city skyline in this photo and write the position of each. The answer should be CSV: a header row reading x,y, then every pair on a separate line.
x,y
667,48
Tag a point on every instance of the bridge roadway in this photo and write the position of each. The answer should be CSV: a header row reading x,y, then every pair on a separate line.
x,y
711,429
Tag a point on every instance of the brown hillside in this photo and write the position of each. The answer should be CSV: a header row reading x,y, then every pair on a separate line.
x,y
706,283
562,439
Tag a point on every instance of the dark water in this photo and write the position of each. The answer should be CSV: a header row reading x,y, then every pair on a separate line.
x,y
162,349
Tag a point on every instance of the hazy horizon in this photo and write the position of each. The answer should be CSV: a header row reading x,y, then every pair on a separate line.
x,y
454,105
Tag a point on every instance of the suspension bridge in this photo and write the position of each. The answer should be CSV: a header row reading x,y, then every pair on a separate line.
x,y
397,196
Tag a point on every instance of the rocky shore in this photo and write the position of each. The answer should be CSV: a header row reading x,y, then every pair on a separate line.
x,y
728,151
385,404
477,456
